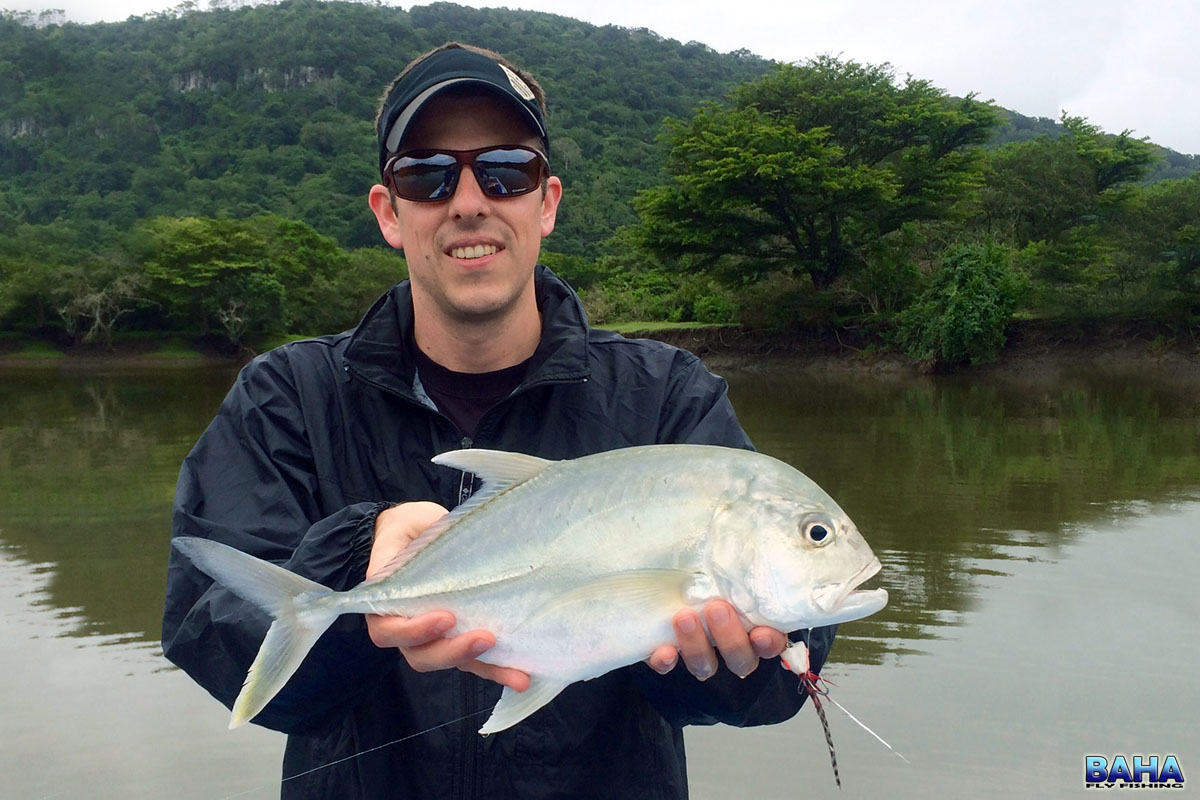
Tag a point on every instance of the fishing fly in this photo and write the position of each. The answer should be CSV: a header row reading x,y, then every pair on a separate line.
x,y
795,659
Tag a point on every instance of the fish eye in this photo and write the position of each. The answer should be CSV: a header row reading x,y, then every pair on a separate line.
x,y
817,529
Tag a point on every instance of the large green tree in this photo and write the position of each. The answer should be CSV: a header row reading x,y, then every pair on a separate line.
x,y
240,277
1158,230
1037,190
811,166
1069,203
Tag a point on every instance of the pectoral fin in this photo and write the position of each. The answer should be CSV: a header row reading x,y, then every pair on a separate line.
x,y
516,706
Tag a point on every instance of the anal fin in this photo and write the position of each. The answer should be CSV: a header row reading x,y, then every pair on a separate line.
x,y
516,706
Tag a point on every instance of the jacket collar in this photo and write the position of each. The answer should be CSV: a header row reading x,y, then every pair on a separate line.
x,y
380,347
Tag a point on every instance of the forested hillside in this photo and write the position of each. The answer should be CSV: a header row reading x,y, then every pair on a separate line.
x,y
270,109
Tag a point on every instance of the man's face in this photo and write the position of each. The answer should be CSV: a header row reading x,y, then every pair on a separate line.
x,y
440,240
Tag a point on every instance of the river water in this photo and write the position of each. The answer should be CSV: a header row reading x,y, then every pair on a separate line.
x,y
1039,539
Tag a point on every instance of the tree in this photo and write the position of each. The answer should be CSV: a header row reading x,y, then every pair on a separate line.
x,y
1063,202
196,264
1158,229
33,259
255,276
92,298
1113,160
811,165
1037,190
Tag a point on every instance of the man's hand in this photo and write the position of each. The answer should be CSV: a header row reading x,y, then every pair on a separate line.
x,y
740,649
422,639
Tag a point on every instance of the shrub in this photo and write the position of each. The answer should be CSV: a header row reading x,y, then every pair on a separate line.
x,y
654,295
713,309
961,316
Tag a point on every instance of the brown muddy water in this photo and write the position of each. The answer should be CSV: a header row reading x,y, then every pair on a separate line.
x,y
1040,540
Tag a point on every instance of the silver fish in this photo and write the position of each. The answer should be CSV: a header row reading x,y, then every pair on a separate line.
x,y
579,566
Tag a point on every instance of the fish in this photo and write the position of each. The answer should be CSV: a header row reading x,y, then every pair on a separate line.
x,y
578,566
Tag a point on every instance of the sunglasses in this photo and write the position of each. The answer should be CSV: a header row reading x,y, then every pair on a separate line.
x,y
428,176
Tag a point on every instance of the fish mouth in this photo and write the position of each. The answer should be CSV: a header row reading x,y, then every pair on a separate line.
x,y
847,602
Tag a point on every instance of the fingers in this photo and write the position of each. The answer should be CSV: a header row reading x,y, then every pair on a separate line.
x,y
730,638
663,659
697,654
505,676
392,631
740,650
421,640
462,652
767,642
456,651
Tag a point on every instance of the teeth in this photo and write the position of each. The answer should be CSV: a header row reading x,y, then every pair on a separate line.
x,y
478,251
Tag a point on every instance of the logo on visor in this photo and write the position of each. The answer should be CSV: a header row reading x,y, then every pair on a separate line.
x,y
518,85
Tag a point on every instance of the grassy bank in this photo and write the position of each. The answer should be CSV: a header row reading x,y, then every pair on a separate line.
x,y
150,349
1032,344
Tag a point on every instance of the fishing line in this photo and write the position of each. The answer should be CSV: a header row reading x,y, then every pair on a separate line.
x,y
865,728
360,753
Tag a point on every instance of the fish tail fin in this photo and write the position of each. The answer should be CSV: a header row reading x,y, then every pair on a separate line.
x,y
289,598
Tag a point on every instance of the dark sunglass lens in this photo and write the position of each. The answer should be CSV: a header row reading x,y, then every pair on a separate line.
x,y
425,177
504,172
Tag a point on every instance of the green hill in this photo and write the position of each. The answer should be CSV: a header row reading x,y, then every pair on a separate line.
x,y
269,109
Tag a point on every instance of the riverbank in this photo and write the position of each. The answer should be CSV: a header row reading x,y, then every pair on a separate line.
x,y
1034,347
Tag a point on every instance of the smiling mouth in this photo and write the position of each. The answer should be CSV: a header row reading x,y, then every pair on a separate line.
x,y
476,251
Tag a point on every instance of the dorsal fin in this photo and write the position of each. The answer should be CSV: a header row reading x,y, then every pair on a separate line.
x,y
494,466
499,471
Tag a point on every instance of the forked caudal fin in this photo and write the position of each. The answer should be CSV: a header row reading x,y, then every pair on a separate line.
x,y
286,596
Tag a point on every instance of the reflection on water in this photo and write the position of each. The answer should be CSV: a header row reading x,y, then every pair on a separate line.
x,y
87,470
982,498
1087,647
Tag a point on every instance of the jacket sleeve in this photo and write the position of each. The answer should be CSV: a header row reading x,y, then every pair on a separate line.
x,y
698,411
251,482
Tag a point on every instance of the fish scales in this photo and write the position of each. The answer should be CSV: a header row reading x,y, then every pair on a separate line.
x,y
550,515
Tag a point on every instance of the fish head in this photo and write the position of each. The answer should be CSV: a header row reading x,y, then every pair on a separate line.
x,y
791,558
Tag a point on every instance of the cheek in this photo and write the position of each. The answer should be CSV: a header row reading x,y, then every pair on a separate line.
x,y
782,584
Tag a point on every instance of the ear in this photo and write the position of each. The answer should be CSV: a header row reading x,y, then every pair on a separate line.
x,y
380,201
550,204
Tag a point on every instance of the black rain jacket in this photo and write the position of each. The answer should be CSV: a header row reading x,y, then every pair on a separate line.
x,y
318,436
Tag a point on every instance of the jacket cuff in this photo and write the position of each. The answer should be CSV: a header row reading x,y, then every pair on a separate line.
x,y
337,549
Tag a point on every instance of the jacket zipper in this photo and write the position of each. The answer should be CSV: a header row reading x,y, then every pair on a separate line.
x,y
465,485
468,746
468,696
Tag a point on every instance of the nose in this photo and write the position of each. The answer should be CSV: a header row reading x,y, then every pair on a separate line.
x,y
468,200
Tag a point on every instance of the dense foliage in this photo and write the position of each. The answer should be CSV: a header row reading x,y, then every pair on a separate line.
x,y
962,314
207,172
270,109
812,166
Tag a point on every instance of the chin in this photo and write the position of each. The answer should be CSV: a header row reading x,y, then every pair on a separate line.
x,y
480,307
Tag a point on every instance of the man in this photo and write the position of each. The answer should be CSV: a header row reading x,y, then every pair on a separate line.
x,y
319,460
